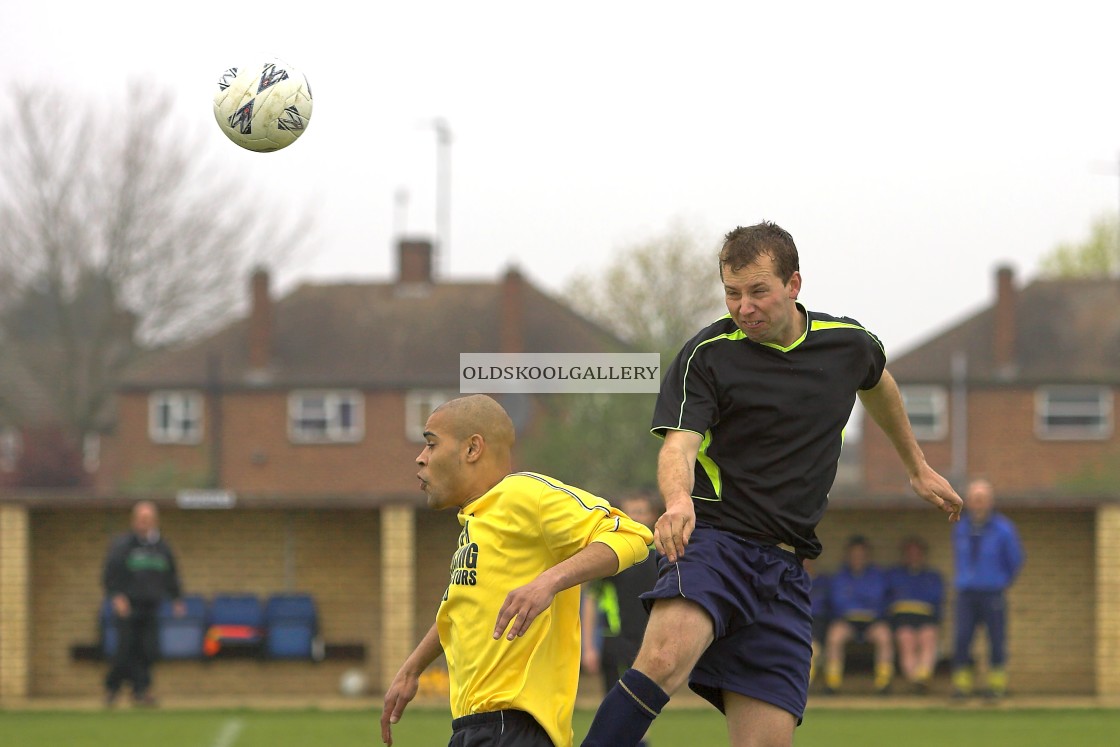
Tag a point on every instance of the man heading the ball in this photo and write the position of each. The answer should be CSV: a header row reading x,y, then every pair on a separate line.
x,y
752,411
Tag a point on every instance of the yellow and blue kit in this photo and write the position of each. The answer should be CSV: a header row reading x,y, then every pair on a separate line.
x,y
520,528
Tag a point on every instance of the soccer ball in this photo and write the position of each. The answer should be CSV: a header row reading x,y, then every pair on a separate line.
x,y
353,683
263,107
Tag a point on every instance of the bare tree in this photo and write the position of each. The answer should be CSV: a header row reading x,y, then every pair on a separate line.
x,y
117,234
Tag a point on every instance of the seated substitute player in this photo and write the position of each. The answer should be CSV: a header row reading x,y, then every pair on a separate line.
x,y
509,621
752,411
859,606
915,593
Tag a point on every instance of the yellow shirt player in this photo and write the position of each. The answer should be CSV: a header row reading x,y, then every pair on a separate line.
x,y
509,623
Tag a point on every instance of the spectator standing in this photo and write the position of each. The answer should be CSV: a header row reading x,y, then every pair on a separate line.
x,y
988,557
139,575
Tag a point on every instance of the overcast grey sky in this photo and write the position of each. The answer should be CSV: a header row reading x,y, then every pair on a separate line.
x,y
908,147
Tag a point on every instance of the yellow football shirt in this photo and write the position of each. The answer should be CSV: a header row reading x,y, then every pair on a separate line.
x,y
524,525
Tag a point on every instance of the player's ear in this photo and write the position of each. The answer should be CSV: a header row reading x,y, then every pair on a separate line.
x,y
475,447
794,285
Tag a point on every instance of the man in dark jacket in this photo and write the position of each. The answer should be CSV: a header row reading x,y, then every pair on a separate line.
x,y
139,574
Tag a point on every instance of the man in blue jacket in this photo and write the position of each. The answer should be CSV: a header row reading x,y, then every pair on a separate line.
x,y
988,557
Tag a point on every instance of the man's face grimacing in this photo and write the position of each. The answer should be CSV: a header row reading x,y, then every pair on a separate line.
x,y
761,305
441,463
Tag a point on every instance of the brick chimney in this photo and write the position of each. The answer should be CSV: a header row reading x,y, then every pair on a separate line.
x,y
260,321
1003,337
513,312
414,261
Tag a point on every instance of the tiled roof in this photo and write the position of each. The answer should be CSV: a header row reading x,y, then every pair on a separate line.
x,y
1064,331
377,335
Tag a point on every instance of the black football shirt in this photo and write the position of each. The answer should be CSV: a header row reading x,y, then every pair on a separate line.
x,y
772,420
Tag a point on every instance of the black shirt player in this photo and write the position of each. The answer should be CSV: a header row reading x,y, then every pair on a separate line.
x,y
752,411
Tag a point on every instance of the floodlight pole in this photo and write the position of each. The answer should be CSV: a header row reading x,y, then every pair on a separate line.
x,y
443,189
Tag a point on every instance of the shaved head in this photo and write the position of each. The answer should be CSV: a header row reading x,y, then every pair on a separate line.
x,y
468,450
479,414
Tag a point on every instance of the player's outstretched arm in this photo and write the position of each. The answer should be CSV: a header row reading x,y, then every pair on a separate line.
x,y
676,465
884,403
523,604
407,681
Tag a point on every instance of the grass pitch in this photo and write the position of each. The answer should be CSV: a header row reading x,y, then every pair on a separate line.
x,y
935,727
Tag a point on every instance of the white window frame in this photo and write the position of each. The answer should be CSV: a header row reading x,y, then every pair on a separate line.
x,y
1045,408
418,405
185,421
929,402
333,431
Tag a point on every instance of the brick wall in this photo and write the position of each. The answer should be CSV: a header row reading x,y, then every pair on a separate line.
x,y
1108,600
335,555
259,457
437,533
15,623
1001,445
398,568
1052,606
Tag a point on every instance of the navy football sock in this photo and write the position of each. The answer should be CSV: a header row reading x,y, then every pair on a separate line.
x,y
626,712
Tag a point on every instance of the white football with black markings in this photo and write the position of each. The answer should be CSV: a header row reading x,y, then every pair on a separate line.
x,y
263,107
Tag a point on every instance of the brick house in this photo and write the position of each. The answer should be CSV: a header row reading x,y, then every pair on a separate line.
x,y
309,413
1024,392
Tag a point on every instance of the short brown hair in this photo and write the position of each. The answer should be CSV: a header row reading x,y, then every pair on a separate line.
x,y
744,246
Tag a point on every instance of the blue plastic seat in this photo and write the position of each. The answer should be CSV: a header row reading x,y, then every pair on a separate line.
x,y
182,637
243,612
292,622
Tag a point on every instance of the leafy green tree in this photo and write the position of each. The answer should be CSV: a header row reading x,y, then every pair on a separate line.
x,y
654,295
1096,256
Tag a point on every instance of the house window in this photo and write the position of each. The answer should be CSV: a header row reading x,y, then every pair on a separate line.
x,y
927,409
317,417
175,417
418,405
1073,412
11,448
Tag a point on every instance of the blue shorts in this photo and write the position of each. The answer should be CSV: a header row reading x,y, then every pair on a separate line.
x,y
758,598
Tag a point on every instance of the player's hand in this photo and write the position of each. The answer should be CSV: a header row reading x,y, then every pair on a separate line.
x,y
400,694
522,606
121,606
673,528
935,489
